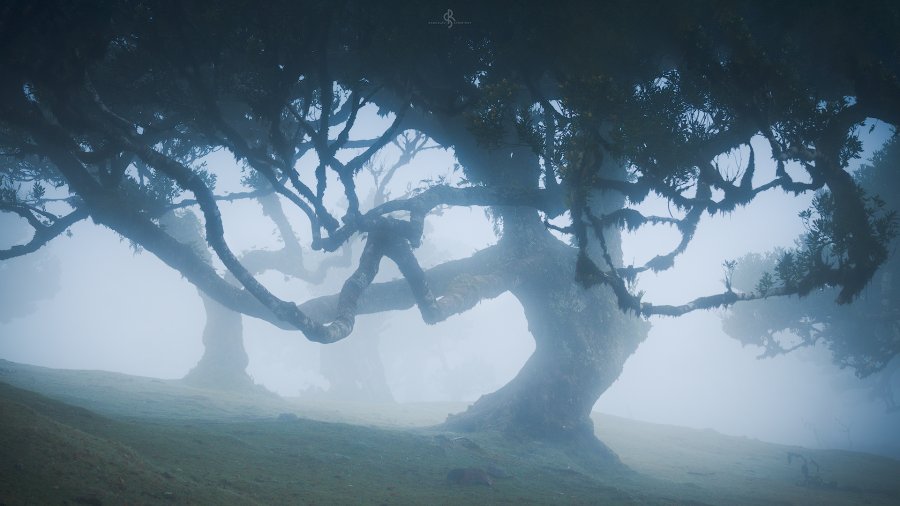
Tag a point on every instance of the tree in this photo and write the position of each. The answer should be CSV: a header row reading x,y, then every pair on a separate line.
x,y
562,121
865,335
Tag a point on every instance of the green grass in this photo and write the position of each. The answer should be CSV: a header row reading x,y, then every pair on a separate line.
x,y
103,438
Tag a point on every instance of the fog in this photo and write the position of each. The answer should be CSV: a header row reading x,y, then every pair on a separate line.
x,y
120,309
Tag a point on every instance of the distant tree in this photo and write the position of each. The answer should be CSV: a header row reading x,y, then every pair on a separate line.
x,y
864,335
573,113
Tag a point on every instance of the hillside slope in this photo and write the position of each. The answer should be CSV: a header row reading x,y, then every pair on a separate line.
x,y
88,437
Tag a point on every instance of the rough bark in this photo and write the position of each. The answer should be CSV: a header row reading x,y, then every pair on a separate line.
x,y
582,340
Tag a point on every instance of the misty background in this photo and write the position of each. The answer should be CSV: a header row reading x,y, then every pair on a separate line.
x,y
108,306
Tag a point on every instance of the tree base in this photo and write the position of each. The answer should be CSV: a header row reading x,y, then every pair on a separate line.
x,y
576,440
226,381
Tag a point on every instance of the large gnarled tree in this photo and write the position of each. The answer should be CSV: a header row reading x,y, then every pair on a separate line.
x,y
563,120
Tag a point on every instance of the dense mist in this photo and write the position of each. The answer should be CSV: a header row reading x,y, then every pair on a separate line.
x,y
106,305
335,252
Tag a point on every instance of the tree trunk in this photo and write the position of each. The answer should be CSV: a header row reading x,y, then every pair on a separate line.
x,y
223,365
582,340
224,362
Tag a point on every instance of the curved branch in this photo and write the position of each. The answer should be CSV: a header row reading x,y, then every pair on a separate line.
x,y
44,233
215,236
109,209
487,270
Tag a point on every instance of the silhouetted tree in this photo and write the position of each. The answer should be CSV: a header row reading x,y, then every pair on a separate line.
x,y
864,335
574,112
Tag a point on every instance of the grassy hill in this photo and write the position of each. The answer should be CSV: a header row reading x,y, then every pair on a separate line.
x,y
97,438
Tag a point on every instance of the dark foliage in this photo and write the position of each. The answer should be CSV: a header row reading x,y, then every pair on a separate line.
x,y
864,335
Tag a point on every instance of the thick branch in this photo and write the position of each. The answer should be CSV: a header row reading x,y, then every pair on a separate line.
x,y
486,268
44,234
709,302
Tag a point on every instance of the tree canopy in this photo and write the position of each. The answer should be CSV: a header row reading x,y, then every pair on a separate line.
x,y
98,100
